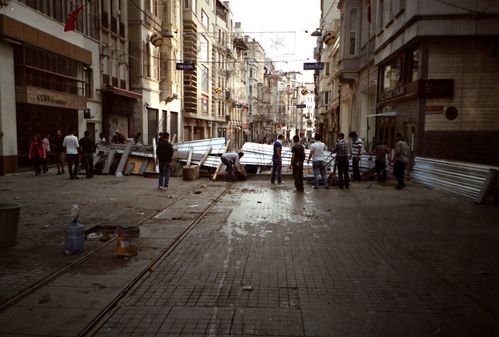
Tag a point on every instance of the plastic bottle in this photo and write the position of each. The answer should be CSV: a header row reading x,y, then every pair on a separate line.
x,y
74,234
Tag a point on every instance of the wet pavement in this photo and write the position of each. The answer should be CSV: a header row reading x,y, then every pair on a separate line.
x,y
248,259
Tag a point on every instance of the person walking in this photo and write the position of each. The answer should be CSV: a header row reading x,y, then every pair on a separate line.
x,y
118,138
101,140
58,150
87,150
297,159
277,161
318,164
232,161
341,150
356,152
70,143
164,154
380,152
37,153
400,159
46,145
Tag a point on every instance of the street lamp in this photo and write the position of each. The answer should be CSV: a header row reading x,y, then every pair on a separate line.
x,y
317,32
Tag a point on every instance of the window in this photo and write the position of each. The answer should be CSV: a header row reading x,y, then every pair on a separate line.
x,y
204,78
147,60
415,65
380,10
392,74
40,68
204,105
353,32
203,49
205,20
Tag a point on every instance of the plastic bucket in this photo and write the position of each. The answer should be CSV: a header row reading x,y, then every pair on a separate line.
x,y
9,223
126,241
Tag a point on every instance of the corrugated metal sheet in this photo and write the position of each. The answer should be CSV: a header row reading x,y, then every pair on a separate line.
x,y
461,178
261,155
200,146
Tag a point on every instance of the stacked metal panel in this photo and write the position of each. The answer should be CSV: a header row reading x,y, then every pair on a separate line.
x,y
199,148
461,178
261,155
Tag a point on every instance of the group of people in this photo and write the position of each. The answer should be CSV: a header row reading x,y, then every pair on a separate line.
x,y
343,154
67,147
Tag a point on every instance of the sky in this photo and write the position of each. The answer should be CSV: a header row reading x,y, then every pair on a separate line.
x,y
279,26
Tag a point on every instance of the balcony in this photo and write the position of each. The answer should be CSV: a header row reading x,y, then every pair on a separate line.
x,y
347,70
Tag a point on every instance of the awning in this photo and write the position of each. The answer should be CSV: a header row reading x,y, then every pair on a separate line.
x,y
124,93
385,114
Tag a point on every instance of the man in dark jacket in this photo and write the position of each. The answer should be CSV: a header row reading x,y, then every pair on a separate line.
x,y
164,154
87,150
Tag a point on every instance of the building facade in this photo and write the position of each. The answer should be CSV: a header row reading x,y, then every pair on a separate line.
x,y
427,69
50,78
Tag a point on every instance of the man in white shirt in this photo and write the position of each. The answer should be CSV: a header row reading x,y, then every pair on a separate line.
x,y
231,160
71,145
318,164
356,154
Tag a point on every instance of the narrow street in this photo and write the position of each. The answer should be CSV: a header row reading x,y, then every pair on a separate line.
x,y
248,259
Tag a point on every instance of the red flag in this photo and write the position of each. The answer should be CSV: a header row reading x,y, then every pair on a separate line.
x,y
70,22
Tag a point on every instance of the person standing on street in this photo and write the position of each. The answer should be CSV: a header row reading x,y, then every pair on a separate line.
x,y
277,161
164,154
356,152
318,164
297,159
46,145
87,150
58,150
341,150
37,153
380,151
232,161
400,159
71,145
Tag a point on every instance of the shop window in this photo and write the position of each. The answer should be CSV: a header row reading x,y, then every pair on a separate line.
x,y
392,74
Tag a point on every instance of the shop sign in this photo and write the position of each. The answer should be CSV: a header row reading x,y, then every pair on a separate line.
x,y
434,109
436,88
39,96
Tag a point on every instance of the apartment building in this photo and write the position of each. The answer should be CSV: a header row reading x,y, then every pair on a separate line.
x,y
50,78
425,68
438,77
155,47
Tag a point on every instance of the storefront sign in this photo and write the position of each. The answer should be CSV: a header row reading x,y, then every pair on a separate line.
x,y
39,96
436,88
434,109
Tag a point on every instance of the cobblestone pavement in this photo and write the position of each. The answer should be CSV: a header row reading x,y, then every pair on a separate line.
x,y
261,261
46,203
371,261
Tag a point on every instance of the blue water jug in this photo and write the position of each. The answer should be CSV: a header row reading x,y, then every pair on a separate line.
x,y
74,238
